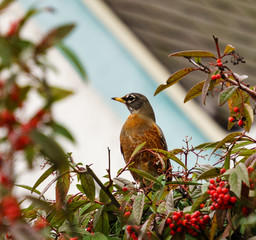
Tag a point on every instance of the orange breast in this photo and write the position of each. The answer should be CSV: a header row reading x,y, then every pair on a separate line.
x,y
136,131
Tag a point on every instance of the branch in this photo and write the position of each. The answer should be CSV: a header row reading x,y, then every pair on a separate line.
x,y
97,180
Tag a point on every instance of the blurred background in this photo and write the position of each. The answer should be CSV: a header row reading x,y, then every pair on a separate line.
x,y
124,47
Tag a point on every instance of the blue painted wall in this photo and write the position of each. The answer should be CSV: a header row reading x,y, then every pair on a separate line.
x,y
113,71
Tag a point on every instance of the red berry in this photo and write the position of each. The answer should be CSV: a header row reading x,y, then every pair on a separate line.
x,y
212,181
225,191
212,207
201,205
179,229
222,184
185,222
21,142
88,229
219,64
250,169
218,60
74,238
233,199
168,221
218,76
223,170
172,226
221,195
187,216
236,109
175,218
193,220
125,189
231,119
129,229
10,208
240,122
219,190
213,77
245,211
206,217
127,214
216,205
172,232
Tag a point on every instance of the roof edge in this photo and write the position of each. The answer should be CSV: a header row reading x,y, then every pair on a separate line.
x,y
154,68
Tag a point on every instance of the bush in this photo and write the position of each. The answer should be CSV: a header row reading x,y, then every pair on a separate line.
x,y
204,202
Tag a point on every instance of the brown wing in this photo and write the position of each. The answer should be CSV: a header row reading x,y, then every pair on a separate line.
x,y
131,137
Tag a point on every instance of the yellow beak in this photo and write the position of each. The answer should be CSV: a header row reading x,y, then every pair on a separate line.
x,y
119,99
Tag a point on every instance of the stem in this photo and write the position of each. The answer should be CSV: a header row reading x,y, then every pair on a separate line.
x,y
243,87
217,45
97,180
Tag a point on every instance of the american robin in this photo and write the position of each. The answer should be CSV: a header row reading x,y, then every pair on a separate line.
x,y
141,127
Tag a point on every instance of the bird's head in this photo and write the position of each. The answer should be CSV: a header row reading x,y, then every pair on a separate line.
x,y
137,104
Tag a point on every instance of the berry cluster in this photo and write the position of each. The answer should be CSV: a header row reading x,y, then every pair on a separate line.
x,y
217,76
240,122
134,231
191,223
9,209
220,194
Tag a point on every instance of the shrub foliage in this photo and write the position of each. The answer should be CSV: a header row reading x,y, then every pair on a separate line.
x,y
204,202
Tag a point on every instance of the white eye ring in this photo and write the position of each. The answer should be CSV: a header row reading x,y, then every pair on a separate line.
x,y
130,98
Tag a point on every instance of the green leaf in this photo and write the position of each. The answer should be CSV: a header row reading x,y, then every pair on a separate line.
x,y
242,173
45,175
207,145
145,227
202,199
229,48
137,149
101,222
194,91
28,188
145,175
227,161
57,128
170,156
213,227
72,57
226,94
95,236
88,186
211,173
193,53
206,87
104,197
235,183
5,3
54,37
138,206
229,138
174,78
248,111
54,94
170,202
62,187
50,149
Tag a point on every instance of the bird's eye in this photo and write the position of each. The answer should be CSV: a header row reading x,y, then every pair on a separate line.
x,y
130,98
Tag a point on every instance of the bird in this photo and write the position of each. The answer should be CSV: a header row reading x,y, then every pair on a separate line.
x,y
141,127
